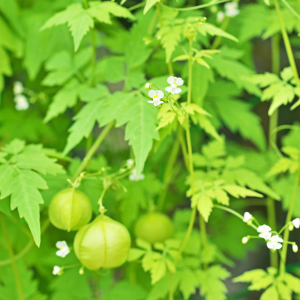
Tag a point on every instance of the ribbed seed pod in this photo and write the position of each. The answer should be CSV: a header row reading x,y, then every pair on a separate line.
x,y
154,227
104,243
70,209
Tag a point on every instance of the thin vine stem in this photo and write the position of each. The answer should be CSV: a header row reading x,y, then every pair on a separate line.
x,y
168,174
271,208
287,44
13,261
194,7
288,220
94,148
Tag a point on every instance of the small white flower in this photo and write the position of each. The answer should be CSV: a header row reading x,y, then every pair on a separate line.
x,y
147,86
274,242
264,231
174,82
245,240
247,217
21,102
220,16
231,9
63,249
18,87
130,162
56,270
295,248
133,176
296,222
156,95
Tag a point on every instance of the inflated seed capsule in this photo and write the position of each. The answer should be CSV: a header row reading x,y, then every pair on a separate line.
x,y
154,227
70,209
104,243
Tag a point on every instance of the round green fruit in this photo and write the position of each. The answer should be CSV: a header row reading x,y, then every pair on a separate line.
x,y
104,243
154,227
70,209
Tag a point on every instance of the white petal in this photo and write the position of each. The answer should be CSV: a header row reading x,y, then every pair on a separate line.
x,y
152,93
168,89
264,228
170,80
247,217
271,245
150,101
61,244
177,90
160,94
179,81
296,222
173,91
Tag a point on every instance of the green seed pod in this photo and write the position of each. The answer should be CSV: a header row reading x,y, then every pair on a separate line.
x,y
70,209
154,227
104,243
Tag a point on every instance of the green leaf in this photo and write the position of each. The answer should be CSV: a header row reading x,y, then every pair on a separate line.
x,y
284,164
33,158
237,191
149,4
270,294
207,28
66,97
136,52
284,291
170,37
233,70
78,20
211,285
204,204
292,282
14,147
135,254
29,285
84,123
188,283
237,115
23,187
158,270
102,10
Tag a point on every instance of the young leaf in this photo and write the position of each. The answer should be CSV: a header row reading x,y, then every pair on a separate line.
x,y
149,4
270,294
206,28
78,20
23,186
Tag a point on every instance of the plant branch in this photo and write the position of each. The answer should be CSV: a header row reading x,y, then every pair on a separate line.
x,y
13,261
94,148
288,220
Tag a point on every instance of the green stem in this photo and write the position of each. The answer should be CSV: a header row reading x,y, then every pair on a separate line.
x,y
168,174
159,14
188,233
234,213
183,147
287,44
170,68
271,208
194,7
171,287
94,148
288,220
189,98
13,261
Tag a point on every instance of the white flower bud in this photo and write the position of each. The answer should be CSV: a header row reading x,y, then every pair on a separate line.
x,y
295,248
245,240
81,271
291,227
147,86
130,162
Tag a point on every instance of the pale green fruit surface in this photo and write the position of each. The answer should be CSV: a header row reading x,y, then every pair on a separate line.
x,y
70,209
154,227
104,243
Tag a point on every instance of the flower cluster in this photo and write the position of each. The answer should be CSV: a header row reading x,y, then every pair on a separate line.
x,y
133,176
173,89
20,99
63,251
231,10
274,242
